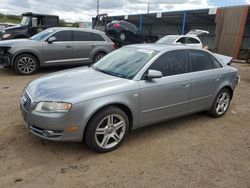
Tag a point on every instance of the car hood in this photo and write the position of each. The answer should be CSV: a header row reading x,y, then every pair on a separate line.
x,y
17,42
77,85
14,28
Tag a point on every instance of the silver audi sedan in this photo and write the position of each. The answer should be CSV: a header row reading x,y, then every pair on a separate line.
x,y
132,87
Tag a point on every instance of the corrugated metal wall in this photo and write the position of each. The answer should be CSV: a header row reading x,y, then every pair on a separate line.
x,y
230,24
161,30
228,30
246,38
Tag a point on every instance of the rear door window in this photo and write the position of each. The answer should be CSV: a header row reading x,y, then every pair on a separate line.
x,y
86,36
81,36
199,60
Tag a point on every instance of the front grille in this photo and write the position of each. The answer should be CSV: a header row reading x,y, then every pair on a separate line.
x,y
26,101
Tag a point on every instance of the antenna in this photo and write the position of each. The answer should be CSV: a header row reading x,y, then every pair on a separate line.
x,y
97,7
148,6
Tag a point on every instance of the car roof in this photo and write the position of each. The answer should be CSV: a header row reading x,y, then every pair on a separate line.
x,y
35,14
162,47
76,29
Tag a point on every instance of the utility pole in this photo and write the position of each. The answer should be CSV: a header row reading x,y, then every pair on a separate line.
x,y
148,6
97,7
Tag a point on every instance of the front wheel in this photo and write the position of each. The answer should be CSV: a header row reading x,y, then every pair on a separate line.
x,y
221,103
106,130
25,64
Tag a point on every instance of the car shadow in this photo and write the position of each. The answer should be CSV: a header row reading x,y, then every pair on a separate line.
x,y
134,137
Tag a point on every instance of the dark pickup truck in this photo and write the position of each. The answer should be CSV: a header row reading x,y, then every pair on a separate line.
x,y
30,25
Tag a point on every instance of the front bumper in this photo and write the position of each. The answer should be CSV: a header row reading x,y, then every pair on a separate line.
x,y
4,61
51,126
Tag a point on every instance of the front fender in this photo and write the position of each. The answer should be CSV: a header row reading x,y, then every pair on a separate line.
x,y
17,51
129,99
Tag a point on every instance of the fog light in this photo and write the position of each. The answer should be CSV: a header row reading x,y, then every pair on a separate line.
x,y
72,128
48,133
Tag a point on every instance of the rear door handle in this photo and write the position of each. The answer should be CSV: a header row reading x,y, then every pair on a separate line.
x,y
68,46
186,84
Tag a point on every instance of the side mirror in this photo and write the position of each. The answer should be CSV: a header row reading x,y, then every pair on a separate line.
x,y
152,74
179,43
51,40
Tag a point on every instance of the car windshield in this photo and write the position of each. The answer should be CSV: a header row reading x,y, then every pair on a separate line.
x,y
42,35
125,62
167,40
25,21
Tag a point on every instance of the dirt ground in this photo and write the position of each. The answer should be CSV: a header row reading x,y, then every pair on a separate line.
x,y
194,151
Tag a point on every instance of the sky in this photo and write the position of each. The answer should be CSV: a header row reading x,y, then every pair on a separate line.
x,y
84,10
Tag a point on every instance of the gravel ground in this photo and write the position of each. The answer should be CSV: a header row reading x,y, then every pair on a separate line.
x,y
193,151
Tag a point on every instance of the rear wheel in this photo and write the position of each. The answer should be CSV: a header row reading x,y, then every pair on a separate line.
x,y
99,56
25,64
221,103
107,130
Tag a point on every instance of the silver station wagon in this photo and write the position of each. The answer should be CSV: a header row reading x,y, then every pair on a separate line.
x,y
132,87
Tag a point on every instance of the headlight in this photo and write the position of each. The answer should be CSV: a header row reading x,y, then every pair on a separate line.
x,y
53,107
7,35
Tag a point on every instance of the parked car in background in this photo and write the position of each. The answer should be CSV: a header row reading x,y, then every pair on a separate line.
x,y
132,87
55,46
30,25
190,39
121,32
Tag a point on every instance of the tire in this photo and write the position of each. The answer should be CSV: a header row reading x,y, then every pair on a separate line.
x,y
25,64
101,136
221,103
98,56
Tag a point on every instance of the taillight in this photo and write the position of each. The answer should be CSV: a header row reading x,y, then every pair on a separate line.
x,y
116,25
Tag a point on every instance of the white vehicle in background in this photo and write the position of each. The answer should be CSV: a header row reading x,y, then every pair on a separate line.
x,y
190,39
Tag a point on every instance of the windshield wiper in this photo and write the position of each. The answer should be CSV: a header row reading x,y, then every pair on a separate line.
x,y
109,73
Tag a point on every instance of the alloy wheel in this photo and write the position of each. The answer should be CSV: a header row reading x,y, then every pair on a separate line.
x,y
222,103
26,65
98,57
110,131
